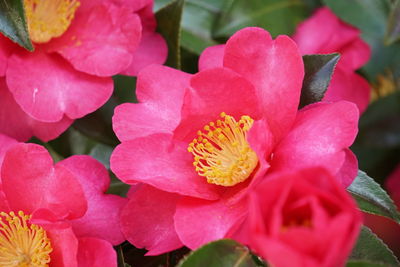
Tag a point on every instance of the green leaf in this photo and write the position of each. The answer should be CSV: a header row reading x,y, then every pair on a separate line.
x,y
13,24
393,27
318,73
198,21
277,16
363,264
169,25
220,253
372,250
372,198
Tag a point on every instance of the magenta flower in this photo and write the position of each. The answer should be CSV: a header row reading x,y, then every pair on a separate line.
x,y
60,213
78,47
304,218
198,143
325,33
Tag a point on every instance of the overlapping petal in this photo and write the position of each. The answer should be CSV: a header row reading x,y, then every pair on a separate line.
x,y
30,181
153,227
47,87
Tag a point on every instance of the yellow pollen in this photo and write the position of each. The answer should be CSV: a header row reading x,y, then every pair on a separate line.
x,y
222,153
49,18
22,244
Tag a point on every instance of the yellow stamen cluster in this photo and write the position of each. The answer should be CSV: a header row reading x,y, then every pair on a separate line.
x,y
49,18
22,244
222,153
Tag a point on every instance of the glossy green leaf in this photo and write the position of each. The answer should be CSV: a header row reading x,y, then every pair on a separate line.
x,y
372,250
277,16
372,198
198,21
363,264
318,73
169,25
393,27
221,253
13,24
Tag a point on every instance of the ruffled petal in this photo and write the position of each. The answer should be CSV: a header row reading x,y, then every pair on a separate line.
x,y
63,240
323,33
95,252
102,217
199,221
16,123
321,134
212,57
349,86
5,144
100,41
274,67
147,220
151,50
6,48
354,55
30,181
47,87
212,92
164,163
160,90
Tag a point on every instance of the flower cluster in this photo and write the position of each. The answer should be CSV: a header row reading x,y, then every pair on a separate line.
x,y
225,152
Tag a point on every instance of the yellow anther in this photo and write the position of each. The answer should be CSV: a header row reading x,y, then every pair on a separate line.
x,y
224,156
48,19
22,243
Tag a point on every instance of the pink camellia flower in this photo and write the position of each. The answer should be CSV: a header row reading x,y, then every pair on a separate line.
x,y
55,215
79,45
302,219
325,33
197,143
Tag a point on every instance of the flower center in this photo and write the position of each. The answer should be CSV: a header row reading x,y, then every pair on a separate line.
x,y
222,153
49,18
22,244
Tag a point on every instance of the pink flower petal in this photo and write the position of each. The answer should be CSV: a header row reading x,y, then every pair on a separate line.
x,y
16,123
100,41
147,220
349,86
63,240
152,50
102,217
199,221
321,134
30,181
212,57
164,163
214,91
349,169
324,33
47,87
5,144
160,90
6,48
94,252
274,67
354,55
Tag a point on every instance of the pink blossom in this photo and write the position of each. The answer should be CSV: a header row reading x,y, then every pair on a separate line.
x,y
304,218
63,205
325,33
76,53
195,144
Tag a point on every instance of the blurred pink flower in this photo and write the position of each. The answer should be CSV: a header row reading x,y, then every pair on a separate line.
x,y
77,50
302,219
197,143
325,33
71,221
